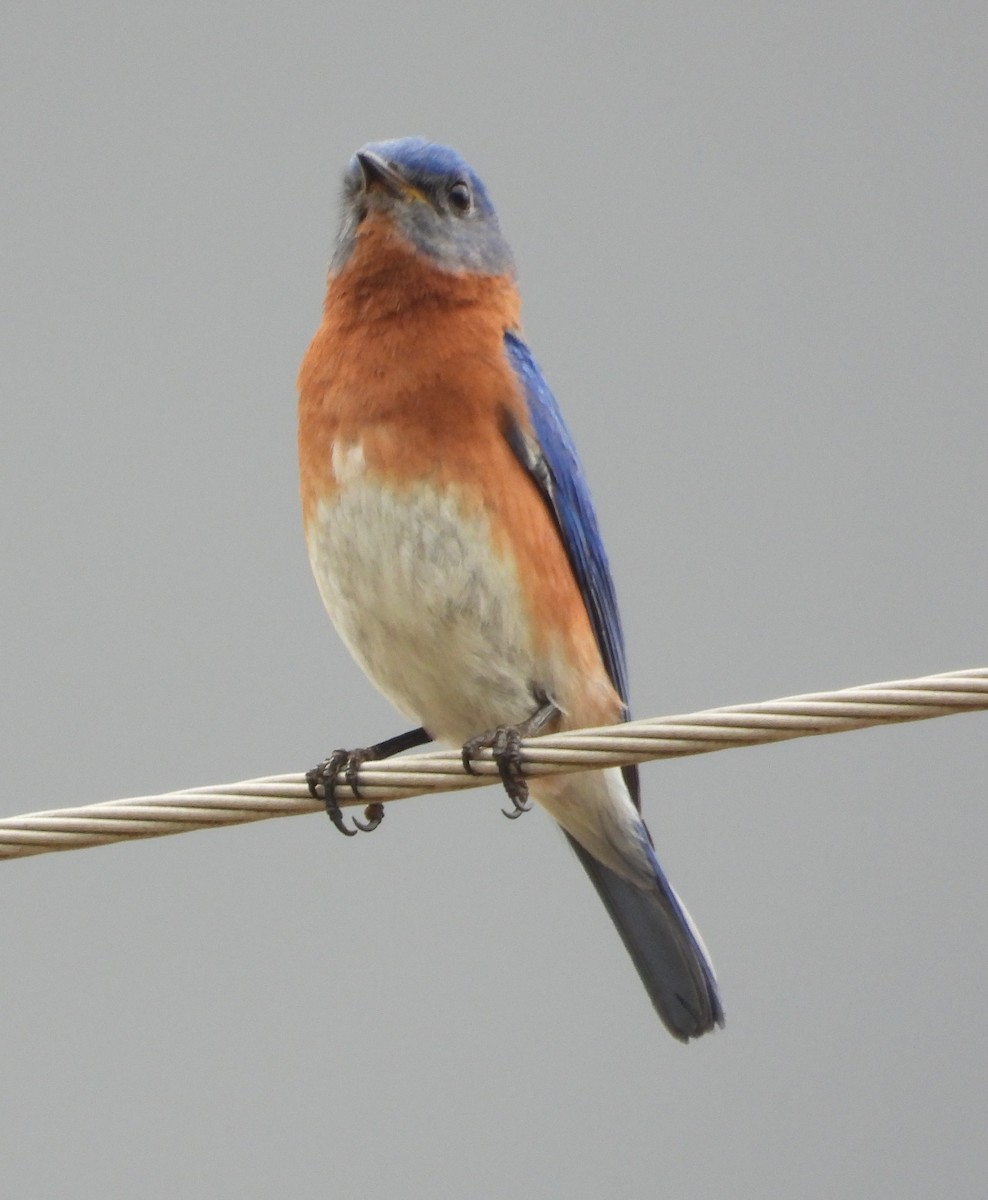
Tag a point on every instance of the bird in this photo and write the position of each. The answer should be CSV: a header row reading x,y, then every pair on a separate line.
x,y
453,539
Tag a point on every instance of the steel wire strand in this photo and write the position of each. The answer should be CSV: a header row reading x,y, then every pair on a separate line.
x,y
633,742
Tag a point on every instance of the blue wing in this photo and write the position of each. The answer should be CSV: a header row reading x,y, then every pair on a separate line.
x,y
652,921
555,468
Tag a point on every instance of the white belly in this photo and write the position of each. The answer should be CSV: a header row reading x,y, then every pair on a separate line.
x,y
438,623
427,609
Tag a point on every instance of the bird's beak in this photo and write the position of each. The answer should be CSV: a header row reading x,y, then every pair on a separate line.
x,y
380,174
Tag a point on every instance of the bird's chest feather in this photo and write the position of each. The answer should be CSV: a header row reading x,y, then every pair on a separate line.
x,y
412,579
435,554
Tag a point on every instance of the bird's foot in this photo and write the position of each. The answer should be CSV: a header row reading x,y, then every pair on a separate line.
x,y
504,742
505,745
350,762
324,777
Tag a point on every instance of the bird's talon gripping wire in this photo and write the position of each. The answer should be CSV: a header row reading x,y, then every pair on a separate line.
x,y
504,744
350,762
324,776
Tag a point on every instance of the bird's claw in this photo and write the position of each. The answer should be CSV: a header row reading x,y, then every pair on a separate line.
x,y
324,776
520,807
374,814
504,744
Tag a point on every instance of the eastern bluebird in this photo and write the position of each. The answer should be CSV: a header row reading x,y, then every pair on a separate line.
x,y
452,535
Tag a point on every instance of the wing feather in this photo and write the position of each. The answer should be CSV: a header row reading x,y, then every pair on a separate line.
x,y
551,460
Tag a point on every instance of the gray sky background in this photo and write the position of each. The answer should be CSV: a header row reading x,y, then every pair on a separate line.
x,y
752,245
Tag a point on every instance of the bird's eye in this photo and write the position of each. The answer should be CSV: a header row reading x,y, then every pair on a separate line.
x,y
459,196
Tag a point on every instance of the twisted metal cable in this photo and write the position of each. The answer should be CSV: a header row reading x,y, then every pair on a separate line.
x,y
580,750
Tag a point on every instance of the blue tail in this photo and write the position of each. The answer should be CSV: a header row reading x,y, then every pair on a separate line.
x,y
663,946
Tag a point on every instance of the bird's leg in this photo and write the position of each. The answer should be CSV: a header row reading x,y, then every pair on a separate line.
x,y
505,745
350,762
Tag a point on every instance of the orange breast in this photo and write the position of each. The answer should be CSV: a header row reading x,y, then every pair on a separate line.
x,y
409,364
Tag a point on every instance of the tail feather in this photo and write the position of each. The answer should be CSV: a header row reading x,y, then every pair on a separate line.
x,y
664,946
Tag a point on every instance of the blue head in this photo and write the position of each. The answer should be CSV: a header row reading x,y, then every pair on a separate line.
x,y
435,199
